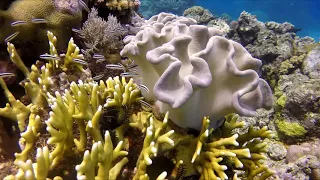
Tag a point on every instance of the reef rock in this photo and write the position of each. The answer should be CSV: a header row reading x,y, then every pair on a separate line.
x,y
300,107
311,65
277,45
201,15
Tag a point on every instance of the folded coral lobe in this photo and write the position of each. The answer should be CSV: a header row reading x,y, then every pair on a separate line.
x,y
194,72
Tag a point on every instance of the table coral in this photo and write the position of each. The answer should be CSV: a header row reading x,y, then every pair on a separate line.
x,y
193,72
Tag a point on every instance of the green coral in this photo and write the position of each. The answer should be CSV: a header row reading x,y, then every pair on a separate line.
x,y
292,129
281,101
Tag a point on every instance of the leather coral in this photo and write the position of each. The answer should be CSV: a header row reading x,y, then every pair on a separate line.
x,y
193,72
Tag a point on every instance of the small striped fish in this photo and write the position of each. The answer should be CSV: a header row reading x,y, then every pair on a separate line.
x,y
12,36
18,23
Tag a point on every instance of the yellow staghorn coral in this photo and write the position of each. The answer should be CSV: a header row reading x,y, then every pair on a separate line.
x,y
102,155
29,136
244,152
69,61
83,103
156,136
15,110
140,121
39,82
120,93
15,58
208,155
59,125
73,55
38,170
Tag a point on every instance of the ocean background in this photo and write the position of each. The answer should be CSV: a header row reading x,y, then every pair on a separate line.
x,y
304,14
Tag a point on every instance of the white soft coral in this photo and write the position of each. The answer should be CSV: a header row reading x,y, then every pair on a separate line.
x,y
194,72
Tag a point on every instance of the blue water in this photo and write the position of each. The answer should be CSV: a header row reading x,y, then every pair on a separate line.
x,y
304,14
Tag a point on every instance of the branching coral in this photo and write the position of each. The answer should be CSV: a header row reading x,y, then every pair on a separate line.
x,y
120,93
66,107
29,136
156,136
38,170
102,155
15,109
243,152
113,93
187,65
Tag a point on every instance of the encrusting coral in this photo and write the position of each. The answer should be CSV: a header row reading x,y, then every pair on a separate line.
x,y
193,72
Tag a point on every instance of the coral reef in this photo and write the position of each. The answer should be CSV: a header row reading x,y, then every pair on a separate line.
x,y
300,106
67,106
66,112
311,65
219,24
86,112
290,65
201,15
281,51
122,9
122,4
119,5
181,79
205,17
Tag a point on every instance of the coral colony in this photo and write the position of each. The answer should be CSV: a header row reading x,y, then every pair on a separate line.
x,y
128,98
